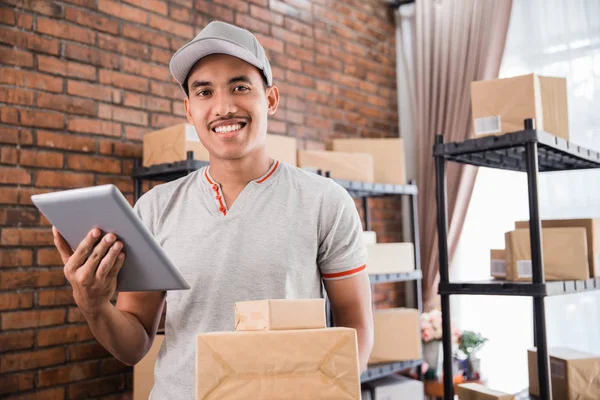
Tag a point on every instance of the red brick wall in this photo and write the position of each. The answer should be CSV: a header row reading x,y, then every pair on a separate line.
x,y
82,80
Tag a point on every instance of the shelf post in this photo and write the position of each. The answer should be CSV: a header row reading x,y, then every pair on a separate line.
x,y
367,214
137,183
414,219
442,225
537,266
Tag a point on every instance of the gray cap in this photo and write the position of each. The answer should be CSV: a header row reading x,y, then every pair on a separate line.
x,y
220,38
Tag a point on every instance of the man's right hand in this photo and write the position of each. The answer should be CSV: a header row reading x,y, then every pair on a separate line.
x,y
91,269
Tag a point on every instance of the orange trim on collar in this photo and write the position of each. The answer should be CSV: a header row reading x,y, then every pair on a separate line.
x,y
206,175
344,273
270,173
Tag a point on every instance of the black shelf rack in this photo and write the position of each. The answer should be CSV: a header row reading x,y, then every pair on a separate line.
x,y
531,151
362,190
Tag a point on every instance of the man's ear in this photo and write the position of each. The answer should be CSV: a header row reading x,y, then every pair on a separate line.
x,y
188,114
272,99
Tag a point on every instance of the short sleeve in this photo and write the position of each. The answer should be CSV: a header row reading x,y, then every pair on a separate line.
x,y
342,251
144,210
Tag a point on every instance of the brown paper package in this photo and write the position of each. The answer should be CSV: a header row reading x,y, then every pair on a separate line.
x,y
498,263
512,100
388,156
348,166
260,315
592,229
143,371
564,251
290,364
574,375
397,335
476,391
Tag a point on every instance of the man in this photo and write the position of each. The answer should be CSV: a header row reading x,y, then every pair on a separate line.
x,y
247,227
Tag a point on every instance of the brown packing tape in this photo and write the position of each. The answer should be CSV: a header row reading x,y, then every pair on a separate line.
x,y
313,363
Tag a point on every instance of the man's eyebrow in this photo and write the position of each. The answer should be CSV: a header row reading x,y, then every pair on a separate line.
x,y
197,84
241,78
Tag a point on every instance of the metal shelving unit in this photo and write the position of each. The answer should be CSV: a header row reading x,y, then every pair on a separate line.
x,y
363,190
529,151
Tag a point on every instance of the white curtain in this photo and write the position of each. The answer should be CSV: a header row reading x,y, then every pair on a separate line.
x,y
555,38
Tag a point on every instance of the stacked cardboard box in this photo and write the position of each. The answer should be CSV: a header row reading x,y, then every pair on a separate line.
x,y
515,99
395,387
397,336
388,156
339,165
564,252
592,230
476,391
305,361
171,144
389,258
574,375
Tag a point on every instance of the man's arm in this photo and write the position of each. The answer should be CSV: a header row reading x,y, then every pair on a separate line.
x,y
350,300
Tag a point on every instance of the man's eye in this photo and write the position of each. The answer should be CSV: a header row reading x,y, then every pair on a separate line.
x,y
203,93
241,89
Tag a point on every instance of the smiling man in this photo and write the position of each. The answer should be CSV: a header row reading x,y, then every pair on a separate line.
x,y
247,227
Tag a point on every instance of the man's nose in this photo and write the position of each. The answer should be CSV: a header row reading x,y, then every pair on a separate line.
x,y
223,104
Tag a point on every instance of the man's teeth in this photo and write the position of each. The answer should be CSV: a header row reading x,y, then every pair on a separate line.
x,y
228,128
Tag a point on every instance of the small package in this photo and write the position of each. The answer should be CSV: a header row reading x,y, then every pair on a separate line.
x,y
388,156
348,166
309,363
262,315
501,105
497,264
564,251
574,375
397,335
370,237
592,230
396,387
476,391
390,258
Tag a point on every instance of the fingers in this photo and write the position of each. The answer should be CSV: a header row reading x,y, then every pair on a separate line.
x,y
108,262
88,269
118,265
61,245
81,253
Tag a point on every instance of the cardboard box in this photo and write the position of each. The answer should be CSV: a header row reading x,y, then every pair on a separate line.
x,y
370,237
574,375
564,251
262,315
366,394
312,363
501,105
397,335
348,166
143,371
476,391
172,144
388,156
396,387
498,264
389,258
592,230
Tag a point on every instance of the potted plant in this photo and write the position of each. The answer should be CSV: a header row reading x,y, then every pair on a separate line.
x,y
469,343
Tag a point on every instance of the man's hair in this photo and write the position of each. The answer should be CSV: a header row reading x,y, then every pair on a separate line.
x,y
186,89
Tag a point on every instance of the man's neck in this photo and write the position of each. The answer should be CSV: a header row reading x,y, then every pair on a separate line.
x,y
239,172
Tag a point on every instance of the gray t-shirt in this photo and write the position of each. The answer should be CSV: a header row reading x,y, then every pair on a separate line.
x,y
284,233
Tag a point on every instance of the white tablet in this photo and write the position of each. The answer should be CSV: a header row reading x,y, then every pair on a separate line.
x,y
75,212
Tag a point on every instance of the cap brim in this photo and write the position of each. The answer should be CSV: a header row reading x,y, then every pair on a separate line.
x,y
184,59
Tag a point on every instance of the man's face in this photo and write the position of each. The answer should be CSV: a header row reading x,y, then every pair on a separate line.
x,y
229,105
